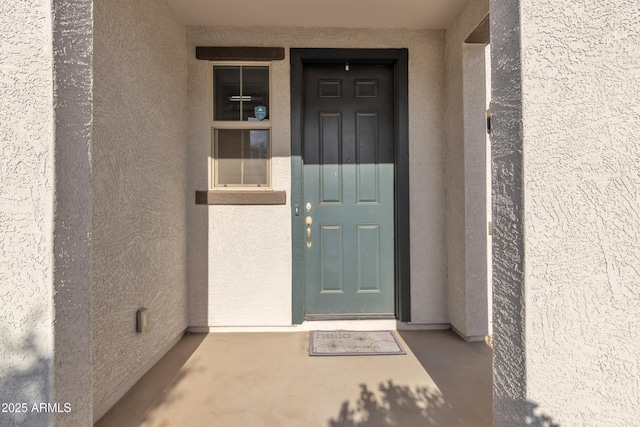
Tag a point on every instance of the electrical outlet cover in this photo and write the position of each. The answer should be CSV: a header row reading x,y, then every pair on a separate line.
x,y
142,323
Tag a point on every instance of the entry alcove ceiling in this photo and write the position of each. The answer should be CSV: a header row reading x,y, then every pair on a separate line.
x,y
411,14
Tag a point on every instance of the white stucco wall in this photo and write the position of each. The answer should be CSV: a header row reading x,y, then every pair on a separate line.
x,y
139,189
566,212
240,256
475,188
489,260
45,218
26,207
581,166
466,175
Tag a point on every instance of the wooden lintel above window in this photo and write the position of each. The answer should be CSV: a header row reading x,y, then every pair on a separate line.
x,y
226,197
219,53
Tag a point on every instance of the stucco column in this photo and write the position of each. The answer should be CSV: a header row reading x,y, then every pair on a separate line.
x,y
26,209
566,180
466,174
45,212
73,117
475,191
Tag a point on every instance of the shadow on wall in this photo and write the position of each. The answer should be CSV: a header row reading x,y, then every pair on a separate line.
x,y
536,419
403,406
24,379
523,413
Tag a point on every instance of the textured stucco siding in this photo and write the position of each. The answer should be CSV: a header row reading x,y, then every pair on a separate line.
x,y
139,188
45,210
73,111
26,207
566,212
465,174
509,375
581,178
475,189
240,256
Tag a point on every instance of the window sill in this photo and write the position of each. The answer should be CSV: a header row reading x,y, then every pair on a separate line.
x,y
226,197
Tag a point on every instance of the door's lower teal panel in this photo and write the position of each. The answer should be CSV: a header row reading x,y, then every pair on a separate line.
x,y
349,268
369,258
331,258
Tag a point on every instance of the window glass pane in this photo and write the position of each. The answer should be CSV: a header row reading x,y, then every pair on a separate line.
x,y
255,91
227,93
242,156
229,156
256,155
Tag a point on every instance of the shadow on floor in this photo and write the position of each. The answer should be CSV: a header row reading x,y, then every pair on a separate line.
x,y
397,406
462,371
249,380
150,391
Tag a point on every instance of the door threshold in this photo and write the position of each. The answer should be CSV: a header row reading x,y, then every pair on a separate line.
x,y
325,325
350,325
323,317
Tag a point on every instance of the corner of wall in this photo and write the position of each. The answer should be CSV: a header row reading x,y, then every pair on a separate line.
x,y
462,302
509,375
73,111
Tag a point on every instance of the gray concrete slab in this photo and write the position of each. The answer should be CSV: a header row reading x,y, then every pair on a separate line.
x,y
268,379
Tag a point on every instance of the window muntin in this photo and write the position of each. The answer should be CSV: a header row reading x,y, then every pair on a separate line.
x,y
240,137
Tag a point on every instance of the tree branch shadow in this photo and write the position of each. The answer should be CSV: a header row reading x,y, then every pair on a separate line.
x,y
25,377
402,406
396,406
535,418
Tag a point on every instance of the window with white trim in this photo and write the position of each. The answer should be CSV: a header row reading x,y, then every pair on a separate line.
x,y
240,125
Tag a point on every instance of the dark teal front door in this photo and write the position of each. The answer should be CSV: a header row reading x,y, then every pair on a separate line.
x,y
348,173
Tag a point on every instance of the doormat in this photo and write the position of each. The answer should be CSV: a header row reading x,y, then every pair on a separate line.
x,y
353,343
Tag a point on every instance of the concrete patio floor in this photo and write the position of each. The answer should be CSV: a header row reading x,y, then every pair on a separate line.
x,y
268,379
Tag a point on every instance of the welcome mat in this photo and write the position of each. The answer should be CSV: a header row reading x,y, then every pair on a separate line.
x,y
353,343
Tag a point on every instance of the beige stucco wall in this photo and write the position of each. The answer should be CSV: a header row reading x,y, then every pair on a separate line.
x,y
566,212
581,180
240,256
139,189
45,211
73,119
466,175
26,206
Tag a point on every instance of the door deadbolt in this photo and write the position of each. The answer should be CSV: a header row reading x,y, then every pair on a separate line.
x,y
307,207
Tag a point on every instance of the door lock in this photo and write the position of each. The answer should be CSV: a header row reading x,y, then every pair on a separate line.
x,y
307,207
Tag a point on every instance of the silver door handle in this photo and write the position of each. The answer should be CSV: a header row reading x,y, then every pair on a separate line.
x,y
309,221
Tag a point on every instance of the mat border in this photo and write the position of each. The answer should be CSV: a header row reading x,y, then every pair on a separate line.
x,y
393,335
